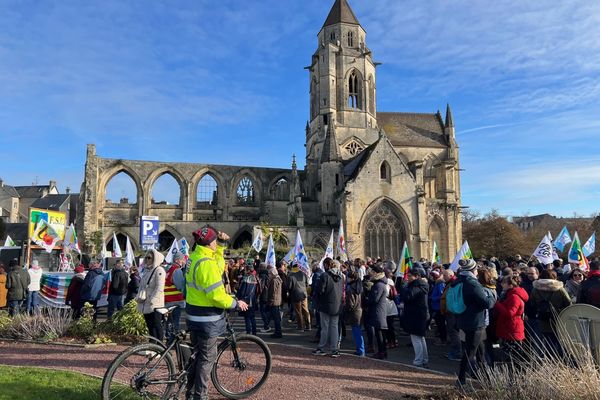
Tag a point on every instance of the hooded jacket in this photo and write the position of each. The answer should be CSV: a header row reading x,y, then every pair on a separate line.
x,y
353,306
376,302
416,313
118,283
509,315
35,278
274,285
548,290
248,289
477,301
91,289
589,292
329,292
153,282
73,297
16,284
296,285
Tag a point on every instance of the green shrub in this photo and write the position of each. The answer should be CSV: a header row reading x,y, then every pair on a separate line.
x,y
83,328
5,322
127,322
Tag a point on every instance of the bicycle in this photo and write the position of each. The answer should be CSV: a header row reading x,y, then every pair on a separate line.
x,y
148,370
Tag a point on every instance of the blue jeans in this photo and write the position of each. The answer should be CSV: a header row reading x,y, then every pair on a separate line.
x,y
276,317
33,302
14,307
250,320
265,315
114,301
358,339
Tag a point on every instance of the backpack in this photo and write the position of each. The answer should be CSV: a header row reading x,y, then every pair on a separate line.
x,y
545,310
455,302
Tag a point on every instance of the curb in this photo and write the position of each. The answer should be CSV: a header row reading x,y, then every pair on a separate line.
x,y
76,345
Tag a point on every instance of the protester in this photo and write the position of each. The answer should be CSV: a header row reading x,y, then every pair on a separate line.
x,y
548,299
329,304
3,290
353,308
573,284
206,300
93,283
151,294
416,314
472,320
247,292
316,277
73,297
391,308
16,285
454,352
436,306
488,277
134,284
510,328
174,289
263,304
33,289
274,300
296,285
376,303
117,289
590,289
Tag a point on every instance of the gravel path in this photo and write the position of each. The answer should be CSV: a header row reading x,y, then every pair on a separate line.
x,y
296,374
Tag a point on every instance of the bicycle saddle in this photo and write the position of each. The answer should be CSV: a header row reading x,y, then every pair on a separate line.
x,y
165,310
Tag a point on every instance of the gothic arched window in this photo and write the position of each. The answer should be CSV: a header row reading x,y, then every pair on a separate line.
x,y
354,95
245,191
207,194
281,190
384,233
350,39
371,95
385,173
314,100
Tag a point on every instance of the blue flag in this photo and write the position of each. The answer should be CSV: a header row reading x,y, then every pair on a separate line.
x,y
562,239
270,259
590,246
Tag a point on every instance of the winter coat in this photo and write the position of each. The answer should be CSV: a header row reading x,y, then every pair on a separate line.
x,y
443,308
509,315
329,292
316,277
589,292
91,290
132,287
248,289
296,285
548,290
477,302
118,283
73,297
263,280
572,289
416,313
16,284
3,290
153,282
377,303
274,285
353,306
436,294
35,279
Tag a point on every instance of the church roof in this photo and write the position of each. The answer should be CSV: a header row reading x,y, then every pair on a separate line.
x,y
353,166
341,13
413,129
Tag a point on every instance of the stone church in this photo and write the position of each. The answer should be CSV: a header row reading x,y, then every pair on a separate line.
x,y
390,176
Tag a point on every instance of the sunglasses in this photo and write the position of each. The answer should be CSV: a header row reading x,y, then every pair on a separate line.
x,y
577,275
148,257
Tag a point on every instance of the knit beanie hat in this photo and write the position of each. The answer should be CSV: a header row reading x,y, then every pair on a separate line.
x,y
79,269
205,235
467,265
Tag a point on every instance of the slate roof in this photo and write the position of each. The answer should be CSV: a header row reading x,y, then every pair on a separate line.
x,y
51,202
353,165
413,129
10,191
341,13
32,191
330,147
17,231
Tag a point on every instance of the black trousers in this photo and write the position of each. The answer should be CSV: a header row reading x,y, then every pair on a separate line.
x,y
205,349
154,324
470,346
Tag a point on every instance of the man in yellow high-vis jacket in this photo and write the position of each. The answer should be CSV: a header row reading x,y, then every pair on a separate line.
x,y
206,302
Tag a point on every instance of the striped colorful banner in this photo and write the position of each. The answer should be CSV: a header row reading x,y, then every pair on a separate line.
x,y
54,285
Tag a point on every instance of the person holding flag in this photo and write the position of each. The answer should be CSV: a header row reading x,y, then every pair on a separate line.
x,y
404,265
576,256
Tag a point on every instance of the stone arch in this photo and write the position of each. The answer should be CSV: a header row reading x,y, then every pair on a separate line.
x,y
108,175
221,188
354,90
431,178
242,238
384,226
256,184
122,239
436,233
165,240
371,89
320,242
314,97
385,172
279,191
158,173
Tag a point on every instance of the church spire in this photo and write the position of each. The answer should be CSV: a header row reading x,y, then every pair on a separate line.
x,y
330,148
449,119
341,13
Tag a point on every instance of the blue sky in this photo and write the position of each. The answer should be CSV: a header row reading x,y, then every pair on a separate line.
x,y
223,82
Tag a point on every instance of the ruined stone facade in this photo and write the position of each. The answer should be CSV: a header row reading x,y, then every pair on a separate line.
x,y
392,177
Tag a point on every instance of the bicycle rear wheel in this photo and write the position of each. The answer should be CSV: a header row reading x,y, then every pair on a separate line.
x,y
139,372
241,376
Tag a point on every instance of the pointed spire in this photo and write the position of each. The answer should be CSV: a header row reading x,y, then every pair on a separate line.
x,y
449,120
330,147
294,166
341,13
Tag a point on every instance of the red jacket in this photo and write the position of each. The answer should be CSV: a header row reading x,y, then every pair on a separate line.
x,y
509,323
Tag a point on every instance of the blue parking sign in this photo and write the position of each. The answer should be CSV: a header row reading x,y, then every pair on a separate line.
x,y
149,230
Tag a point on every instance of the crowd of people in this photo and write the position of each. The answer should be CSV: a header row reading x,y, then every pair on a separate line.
x,y
482,312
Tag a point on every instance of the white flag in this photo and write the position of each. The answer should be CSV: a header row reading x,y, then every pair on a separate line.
x,y
257,244
9,242
463,254
544,251
116,249
341,244
104,252
184,247
270,259
172,251
71,242
590,246
129,256
300,255
328,251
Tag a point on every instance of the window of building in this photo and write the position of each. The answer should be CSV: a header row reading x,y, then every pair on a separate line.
x,y
325,119
281,190
332,36
207,194
245,191
354,91
353,148
385,172
350,39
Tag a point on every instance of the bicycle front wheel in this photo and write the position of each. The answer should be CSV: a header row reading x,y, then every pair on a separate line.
x,y
140,372
241,370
